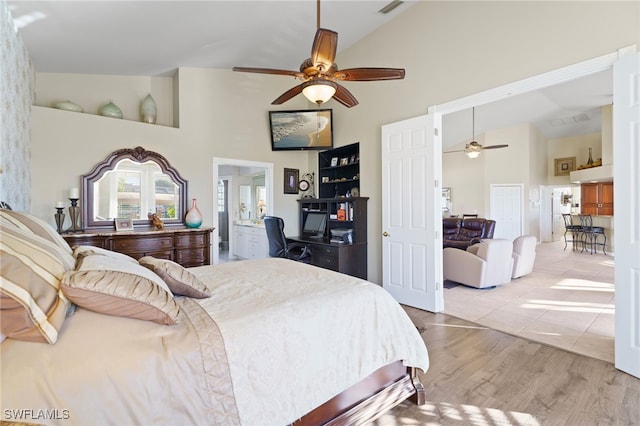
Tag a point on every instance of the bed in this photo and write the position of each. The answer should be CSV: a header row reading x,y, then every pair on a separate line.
x,y
268,341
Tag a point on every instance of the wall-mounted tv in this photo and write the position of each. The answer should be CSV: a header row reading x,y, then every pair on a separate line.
x,y
301,129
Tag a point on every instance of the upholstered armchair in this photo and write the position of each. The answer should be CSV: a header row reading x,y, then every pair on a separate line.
x,y
487,264
524,255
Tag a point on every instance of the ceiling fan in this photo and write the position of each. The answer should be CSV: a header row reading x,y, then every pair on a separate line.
x,y
473,148
320,75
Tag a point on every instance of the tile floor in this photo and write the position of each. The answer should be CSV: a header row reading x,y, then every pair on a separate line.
x,y
567,302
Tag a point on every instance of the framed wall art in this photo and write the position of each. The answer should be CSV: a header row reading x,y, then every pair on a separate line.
x,y
563,166
291,181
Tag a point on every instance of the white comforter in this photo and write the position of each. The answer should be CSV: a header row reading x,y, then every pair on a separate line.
x,y
292,336
297,335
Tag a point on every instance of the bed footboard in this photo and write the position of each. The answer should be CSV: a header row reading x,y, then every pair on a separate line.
x,y
369,398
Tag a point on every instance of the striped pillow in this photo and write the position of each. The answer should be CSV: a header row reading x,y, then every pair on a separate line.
x,y
32,306
35,225
29,223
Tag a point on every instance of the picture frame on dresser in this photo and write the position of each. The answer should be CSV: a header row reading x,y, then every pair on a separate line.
x,y
123,225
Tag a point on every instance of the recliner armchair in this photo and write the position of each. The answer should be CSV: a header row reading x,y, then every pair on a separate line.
x,y
278,244
465,232
524,255
487,264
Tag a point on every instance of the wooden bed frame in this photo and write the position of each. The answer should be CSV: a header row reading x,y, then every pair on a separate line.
x,y
369,398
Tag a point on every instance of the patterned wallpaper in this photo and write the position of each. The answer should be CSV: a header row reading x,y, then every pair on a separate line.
x,y
17,94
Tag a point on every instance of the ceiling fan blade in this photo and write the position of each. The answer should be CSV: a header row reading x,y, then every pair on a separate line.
x,y
449,152
297,74
345,97
294,91
323,52
369,74
495,146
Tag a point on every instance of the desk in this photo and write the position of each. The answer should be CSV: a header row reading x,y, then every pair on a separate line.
x,y
350,259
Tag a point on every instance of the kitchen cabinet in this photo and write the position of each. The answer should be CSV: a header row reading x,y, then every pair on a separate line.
x,y
597,198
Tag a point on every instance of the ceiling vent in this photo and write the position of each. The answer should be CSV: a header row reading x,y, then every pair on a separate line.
x,y
388,8
566,121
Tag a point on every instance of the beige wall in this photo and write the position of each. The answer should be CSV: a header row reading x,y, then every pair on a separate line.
x,y
449,50
221,115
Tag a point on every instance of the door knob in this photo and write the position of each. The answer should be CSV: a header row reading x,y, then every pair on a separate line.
x,y
386,234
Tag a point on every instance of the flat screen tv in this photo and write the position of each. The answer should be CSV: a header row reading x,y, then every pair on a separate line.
x,y
301,129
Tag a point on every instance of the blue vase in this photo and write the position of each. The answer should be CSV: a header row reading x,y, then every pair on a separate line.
x,y
193,219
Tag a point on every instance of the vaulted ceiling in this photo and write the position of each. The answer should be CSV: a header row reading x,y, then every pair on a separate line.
x,y
157,37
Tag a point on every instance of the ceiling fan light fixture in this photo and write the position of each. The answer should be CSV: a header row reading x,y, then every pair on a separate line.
x,y
473,149
319,91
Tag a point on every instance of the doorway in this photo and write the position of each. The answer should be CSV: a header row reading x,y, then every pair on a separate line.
x,y
244,191
628,65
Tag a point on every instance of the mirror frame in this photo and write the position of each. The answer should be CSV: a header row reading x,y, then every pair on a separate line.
x,y
138,154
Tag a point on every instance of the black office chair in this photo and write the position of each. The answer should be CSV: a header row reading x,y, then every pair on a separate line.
x,y
278,245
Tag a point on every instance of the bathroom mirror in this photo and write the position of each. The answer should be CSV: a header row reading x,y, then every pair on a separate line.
x,y
261,204
131,183
244,206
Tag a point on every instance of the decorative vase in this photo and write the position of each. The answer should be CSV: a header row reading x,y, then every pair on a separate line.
x,y
148,110
590,160
193,219
111,110
68,106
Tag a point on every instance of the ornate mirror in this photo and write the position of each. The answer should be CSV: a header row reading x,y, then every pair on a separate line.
x,y
131,183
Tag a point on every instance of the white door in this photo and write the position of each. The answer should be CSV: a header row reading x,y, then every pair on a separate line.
x,y
412,212
626,157
556,215
506,210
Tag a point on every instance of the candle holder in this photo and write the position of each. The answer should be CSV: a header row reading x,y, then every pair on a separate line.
x,y
74,215
59,218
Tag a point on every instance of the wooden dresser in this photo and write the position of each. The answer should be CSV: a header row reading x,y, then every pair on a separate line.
x,y
186,246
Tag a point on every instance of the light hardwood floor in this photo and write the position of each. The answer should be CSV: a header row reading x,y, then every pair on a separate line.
x,y
567,302
479,376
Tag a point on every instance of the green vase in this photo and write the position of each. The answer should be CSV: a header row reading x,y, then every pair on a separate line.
x,y
111,110
68,106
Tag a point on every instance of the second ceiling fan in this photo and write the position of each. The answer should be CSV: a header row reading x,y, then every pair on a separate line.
x,y
473,148
320,74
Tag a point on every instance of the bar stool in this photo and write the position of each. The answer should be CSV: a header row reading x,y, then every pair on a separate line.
x,y
591,233
573,230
